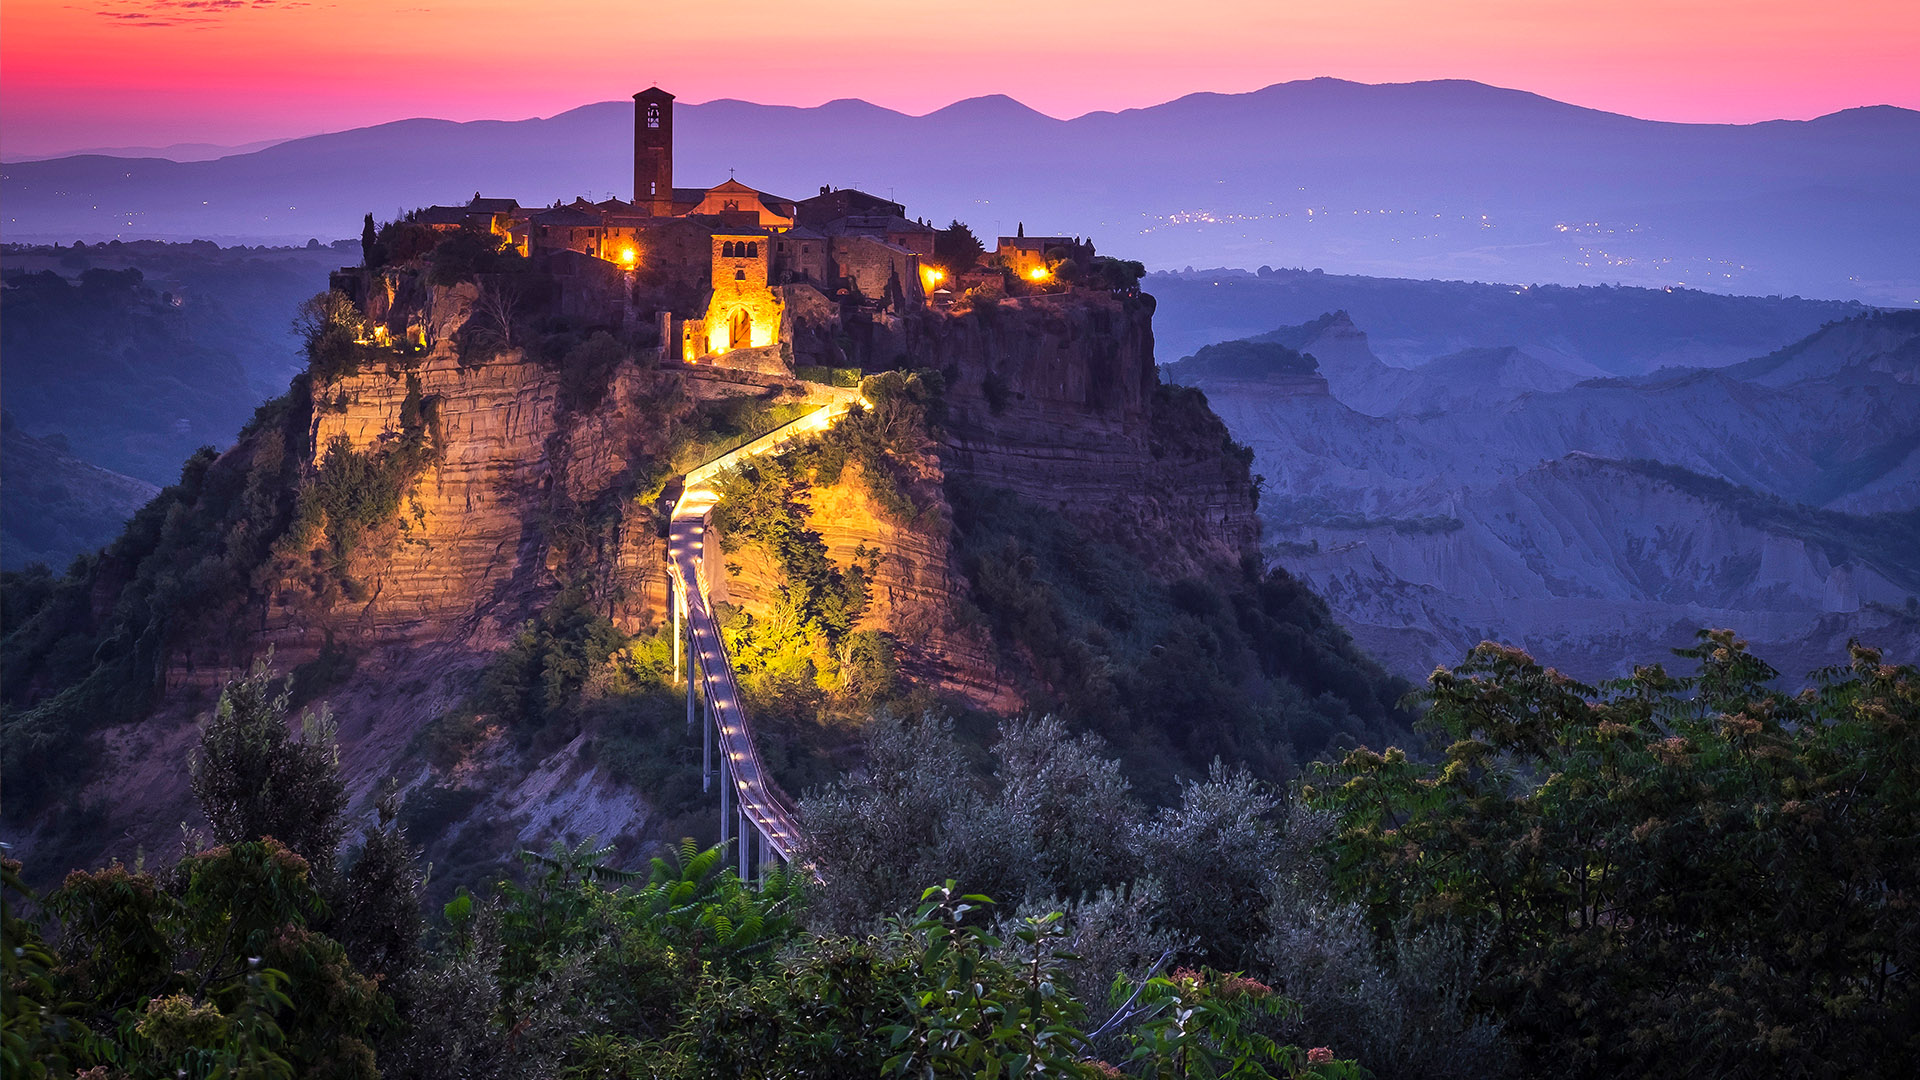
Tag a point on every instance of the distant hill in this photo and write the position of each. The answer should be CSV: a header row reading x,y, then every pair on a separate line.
x,y
1584,330
1488,495
138,354
54,506
1432,179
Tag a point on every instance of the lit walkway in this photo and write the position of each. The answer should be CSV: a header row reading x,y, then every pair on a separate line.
x,y
743,777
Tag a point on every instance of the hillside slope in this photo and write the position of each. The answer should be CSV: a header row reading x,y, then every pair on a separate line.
x,y
53,506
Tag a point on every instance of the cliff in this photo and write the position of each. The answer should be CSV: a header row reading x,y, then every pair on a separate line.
x,y
466,561
1057,400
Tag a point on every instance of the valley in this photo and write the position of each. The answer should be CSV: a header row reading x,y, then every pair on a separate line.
x,y
1497,495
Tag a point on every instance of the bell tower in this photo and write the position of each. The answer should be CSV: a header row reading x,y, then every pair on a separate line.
x,y
653,152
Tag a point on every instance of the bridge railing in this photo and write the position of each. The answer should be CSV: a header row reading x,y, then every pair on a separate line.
x,y
761,798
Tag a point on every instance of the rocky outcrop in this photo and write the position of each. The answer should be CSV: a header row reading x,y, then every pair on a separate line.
x,y
501,505
913,595
1056,399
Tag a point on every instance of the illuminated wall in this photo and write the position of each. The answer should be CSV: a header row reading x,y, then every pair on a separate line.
x,y
743,312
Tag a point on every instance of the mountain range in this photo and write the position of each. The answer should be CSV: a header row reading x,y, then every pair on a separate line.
x,y
1447,179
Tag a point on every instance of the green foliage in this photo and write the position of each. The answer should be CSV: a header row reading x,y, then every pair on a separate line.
x,y
210,970
467,253
717,427
530,684
254,779
379,903
1251,669
1116,275
87,651
331,331
956,249
765,500
587,370
357,491
890,438
1208,1024
38,1036
403,241
973,1012
1695,874
847,377
1055,822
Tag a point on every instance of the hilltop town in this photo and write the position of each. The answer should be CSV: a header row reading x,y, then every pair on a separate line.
x,y
727,275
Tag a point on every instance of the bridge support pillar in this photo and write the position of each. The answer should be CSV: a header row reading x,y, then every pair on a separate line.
x,y
677,599
706,741
745,839
726,805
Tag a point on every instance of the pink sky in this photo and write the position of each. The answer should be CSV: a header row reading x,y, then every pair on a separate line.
x,y
81,73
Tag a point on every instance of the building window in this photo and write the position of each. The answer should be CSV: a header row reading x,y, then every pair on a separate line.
x,y
753,249
653,187
726,250
653,116
739,275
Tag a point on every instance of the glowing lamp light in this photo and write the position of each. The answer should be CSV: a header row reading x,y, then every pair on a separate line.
x,y
629,256
1038,273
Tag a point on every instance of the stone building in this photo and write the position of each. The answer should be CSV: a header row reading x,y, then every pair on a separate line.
x,y
730,273
1033,257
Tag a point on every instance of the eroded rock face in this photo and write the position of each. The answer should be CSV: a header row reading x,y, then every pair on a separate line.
x,y
506,500
1056,399
532,483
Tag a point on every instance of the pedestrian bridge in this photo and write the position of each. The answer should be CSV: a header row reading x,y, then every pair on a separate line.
x,y
752,806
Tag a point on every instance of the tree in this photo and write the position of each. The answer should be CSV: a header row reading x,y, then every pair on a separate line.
x,y
497,306
1698,875
254,778
370,254
329,327
957,249
379,909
